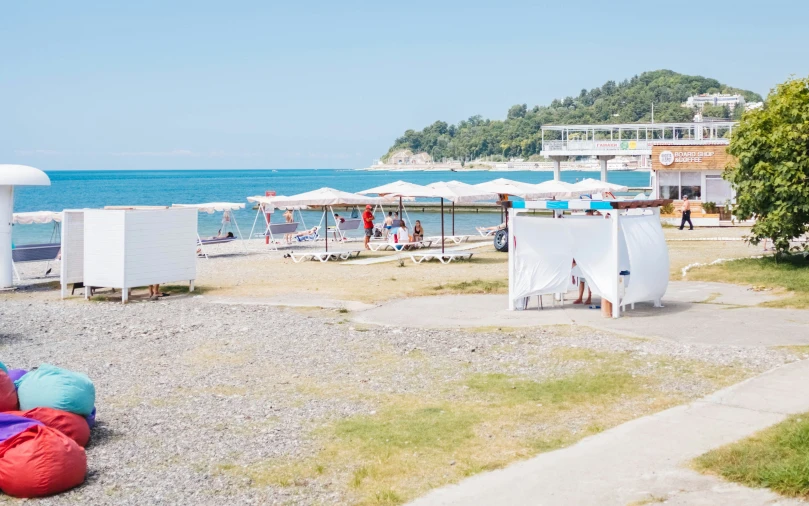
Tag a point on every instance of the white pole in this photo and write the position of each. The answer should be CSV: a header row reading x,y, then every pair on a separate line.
x,y
616,308
511,222
6,217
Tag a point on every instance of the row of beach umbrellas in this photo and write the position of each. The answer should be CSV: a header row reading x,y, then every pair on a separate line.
x,y
455,192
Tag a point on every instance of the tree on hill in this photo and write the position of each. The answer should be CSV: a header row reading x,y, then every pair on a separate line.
x,y
629,101
771,171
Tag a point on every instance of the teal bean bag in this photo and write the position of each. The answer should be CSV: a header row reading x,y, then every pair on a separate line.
x,y
53,387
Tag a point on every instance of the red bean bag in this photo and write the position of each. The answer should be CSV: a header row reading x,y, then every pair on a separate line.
x,y
40,461
70,424
8,393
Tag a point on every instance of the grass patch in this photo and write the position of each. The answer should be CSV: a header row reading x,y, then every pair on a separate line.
x,y
577,388
790,273
799,350
474,286
776,458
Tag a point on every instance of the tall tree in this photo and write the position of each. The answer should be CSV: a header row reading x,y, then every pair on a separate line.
x,y
771,171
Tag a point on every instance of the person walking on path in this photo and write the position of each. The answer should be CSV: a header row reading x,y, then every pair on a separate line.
x,y
686,209
368,223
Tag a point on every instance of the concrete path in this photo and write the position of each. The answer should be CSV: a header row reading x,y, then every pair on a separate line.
x,y
644,461
683,319
292,300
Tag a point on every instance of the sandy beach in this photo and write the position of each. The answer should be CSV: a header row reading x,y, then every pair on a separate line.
x,y
248,388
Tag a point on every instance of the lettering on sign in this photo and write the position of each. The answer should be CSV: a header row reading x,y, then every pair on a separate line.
x,y
666,158
692,157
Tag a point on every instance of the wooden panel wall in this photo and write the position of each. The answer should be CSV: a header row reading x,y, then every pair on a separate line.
x,y
692,157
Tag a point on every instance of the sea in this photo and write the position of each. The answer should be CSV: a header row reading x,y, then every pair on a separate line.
x,y
96,189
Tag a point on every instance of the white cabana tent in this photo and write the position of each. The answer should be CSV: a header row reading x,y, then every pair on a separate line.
x,y
623,257
11,176
226,208
589,186
457,193
326,197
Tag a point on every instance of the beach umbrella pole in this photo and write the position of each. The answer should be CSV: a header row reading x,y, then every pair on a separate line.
x,y
442,225
453,218
326,228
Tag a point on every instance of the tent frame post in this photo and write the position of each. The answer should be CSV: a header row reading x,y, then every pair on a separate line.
x,y
616,303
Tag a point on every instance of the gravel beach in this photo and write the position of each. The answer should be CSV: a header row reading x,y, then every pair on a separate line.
x,y
185,386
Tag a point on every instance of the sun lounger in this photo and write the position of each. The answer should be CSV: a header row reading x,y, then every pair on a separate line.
x,y
486,232
455,239
444,257
35,253
323,256
379,246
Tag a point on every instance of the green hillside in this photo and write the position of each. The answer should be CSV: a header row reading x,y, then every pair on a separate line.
x,y
629,101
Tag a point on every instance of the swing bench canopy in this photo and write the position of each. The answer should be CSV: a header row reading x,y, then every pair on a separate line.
x,y
212,207
37,217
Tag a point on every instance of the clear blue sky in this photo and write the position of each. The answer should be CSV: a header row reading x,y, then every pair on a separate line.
x,y
260,84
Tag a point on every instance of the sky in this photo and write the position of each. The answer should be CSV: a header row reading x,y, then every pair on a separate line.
x,y
269,84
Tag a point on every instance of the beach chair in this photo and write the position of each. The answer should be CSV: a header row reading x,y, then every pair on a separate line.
x,y
444,257
323,256
47,252
402,246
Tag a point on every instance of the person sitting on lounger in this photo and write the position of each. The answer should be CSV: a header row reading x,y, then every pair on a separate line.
x,y
305,233
229,235
400,235
418,232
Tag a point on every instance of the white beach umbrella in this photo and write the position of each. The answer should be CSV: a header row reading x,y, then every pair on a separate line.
x,y
556,189
591,185
457,193
397,189
268,202
326,197
503,186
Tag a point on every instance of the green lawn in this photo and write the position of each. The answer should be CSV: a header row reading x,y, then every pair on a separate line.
x,y
790,274
776,458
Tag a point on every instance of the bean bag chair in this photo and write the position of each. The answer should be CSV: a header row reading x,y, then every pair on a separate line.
x,y
16,374
40,461
91,418
53,387
8,393
11,425
70,424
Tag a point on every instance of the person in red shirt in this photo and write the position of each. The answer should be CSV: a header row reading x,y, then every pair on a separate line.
x,y
368,223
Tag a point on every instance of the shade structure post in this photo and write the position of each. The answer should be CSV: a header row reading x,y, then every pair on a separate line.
x,y
6,217
616,235
453,218
401,217
442,225
326,227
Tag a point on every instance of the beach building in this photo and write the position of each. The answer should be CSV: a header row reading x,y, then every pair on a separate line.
x,y
606,142
407,157
715,99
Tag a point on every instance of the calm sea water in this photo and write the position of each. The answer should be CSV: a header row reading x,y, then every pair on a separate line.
x,y
80,189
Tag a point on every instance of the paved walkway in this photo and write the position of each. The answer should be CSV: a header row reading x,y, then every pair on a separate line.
x,y
729,318
644,461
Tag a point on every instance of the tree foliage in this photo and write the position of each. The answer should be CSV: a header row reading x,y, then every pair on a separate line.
x,y
771,168
629,101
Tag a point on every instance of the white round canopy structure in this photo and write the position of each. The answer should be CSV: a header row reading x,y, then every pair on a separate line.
x,y
556,190
11,176
212,207
504,186
591,185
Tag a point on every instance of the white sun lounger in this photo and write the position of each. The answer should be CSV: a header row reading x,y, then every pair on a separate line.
x,y
383,246
444,257
456,239
323,256
485,232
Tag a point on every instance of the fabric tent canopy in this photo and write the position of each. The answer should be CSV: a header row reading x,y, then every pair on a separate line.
x,y
270,205
36,217
457,193
401,189
212,207
591,185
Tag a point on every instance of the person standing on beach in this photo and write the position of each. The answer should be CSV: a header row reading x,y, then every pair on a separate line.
x,y
368,223
686,209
